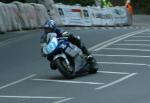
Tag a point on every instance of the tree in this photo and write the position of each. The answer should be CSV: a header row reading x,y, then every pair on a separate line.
x,y
31,1
73,2
8,1
141,6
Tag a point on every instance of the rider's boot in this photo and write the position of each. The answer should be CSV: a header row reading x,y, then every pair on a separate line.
x,y
86,52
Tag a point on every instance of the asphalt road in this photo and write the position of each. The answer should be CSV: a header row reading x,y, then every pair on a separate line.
x,y
123,55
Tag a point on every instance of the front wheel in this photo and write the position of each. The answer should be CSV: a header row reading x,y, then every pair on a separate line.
x,y
66,70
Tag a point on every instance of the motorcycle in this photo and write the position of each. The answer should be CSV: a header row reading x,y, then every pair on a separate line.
x,y
69,59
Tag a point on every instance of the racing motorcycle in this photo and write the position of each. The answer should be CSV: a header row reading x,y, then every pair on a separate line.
x,y
68,58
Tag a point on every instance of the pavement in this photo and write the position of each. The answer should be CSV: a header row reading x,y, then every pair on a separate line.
x,y
123,55
141,19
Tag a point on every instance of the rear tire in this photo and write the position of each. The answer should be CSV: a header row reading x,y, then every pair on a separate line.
x,y
65,70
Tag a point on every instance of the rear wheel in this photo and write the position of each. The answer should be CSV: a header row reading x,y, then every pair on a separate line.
x,y
66,70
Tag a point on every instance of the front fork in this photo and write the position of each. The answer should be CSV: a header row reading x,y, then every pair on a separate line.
x,y
64,57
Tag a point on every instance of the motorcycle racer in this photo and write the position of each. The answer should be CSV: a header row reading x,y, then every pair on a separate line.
x,y
50,27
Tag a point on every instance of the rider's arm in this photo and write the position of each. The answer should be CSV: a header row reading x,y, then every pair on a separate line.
x,y
43,38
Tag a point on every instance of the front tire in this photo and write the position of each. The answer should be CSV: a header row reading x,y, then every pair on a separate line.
x,y
66,70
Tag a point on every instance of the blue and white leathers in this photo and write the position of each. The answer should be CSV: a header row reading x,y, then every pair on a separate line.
x,y
51,44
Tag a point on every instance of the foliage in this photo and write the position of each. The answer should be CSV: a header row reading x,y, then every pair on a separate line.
x,y
31,1
73,2
8,1
141,6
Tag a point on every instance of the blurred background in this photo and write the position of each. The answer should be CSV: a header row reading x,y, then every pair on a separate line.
x,y
140,6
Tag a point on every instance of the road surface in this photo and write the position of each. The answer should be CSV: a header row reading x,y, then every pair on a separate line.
x,y
123,55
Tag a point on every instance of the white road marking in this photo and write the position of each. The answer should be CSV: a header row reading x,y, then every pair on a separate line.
x,y
134,44
64,100
67,81
30,97
136,40
116,39
120,63
18,81
115,82
108,41
127,49
110,72
132,56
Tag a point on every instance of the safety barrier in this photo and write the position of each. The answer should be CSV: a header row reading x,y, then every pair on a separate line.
x,y
92,16
17,16
101,17
2,25
73,15
120,15
41,14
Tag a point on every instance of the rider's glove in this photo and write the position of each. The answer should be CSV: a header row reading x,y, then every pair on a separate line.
x,y
65,34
